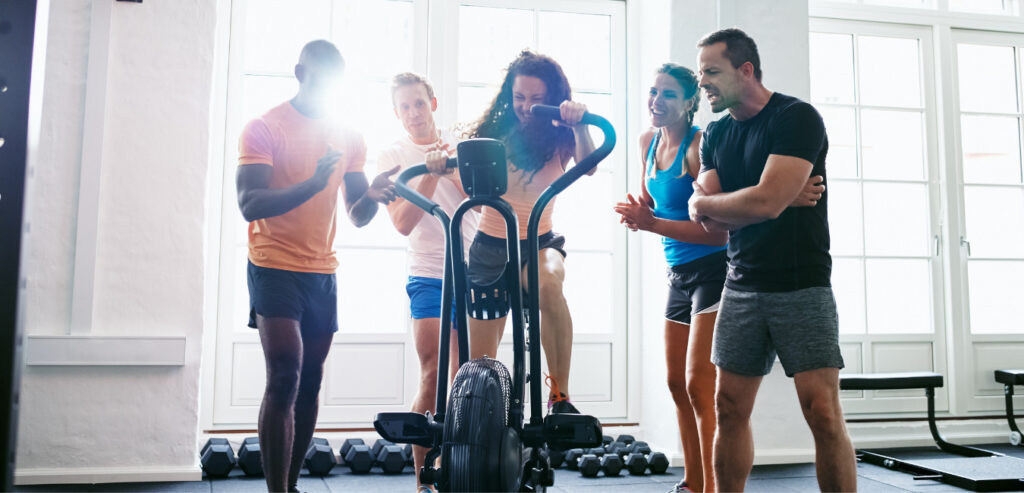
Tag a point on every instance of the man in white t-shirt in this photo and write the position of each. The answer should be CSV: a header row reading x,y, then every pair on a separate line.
x,y
414,105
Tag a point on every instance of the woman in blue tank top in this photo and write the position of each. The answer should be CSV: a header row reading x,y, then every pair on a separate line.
x,y
696,260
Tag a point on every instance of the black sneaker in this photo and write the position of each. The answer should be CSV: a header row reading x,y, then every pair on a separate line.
x,y
562,406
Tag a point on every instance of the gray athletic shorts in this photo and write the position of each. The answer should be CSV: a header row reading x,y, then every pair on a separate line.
x,y
801,326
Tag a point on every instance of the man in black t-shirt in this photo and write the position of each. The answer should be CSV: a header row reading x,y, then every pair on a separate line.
x,y
778,297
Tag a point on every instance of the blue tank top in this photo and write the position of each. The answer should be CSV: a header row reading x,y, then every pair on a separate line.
x,y
671,190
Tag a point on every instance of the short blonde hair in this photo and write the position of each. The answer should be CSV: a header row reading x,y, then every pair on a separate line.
x,y
408,79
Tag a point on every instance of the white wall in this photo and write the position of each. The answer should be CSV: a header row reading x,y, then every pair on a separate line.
x,y
114,423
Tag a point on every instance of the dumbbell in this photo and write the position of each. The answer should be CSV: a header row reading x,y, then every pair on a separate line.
x,y
320,457
598,451
589,465
379,444
611,464
572,459
250,459
617,448
343,451
408,454
640,446
606,440
557,458
627,439
217,458
391,459
636,463
359,458
658,463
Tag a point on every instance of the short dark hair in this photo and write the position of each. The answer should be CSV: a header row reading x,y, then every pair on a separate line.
x,y
322,52
739,48
408,79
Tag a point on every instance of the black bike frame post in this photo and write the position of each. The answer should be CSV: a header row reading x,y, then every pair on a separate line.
x,y
514,286
445,337
458,266
532,240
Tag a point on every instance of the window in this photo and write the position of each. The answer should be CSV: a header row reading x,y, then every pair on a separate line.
x,y
970,174
991,187
872,87
999,7
464,47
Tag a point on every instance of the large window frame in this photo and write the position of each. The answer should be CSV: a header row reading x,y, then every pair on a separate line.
x,y
970,386
875,350
435,39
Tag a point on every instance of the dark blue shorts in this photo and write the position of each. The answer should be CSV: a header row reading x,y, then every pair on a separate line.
x,y
425,298
308,297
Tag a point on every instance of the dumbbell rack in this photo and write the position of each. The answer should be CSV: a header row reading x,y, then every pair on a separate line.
x,y
623,453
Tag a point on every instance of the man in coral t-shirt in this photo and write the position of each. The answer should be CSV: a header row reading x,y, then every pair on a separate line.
x,y
292,162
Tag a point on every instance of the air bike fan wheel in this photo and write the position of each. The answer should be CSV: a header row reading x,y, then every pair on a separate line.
x,y
480,451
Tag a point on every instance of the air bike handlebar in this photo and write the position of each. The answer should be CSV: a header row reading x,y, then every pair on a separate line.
x,y
407,193
581,168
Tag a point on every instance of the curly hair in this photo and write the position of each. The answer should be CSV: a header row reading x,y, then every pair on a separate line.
x,y
528,147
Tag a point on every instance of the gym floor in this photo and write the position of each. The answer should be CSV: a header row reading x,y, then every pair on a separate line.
x,y
778,478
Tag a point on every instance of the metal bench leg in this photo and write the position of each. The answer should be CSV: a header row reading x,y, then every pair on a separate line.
x,y
1015,434
943,444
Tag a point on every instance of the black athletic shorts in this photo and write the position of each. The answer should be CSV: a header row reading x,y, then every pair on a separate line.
x,y
487,258
308,297
695,287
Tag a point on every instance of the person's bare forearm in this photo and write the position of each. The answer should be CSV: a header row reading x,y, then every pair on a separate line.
x,y
688,232
736,209
362,211
262,203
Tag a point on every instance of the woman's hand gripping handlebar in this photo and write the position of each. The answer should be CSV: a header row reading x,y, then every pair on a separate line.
x,y
590,161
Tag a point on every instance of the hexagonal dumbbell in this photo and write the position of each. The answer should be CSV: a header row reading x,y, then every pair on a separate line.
x,y
611,464
572,459
320,457
391,459
589,465
606,440
347,444
378,445
359,458
641,447
557,458
617,448
627,439
636,463
250,459
658,463
217,458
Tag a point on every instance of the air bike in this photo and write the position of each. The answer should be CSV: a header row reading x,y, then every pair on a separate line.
x,y
479,431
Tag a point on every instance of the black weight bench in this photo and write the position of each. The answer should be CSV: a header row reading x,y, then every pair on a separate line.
x,y
975,469
1009,378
